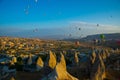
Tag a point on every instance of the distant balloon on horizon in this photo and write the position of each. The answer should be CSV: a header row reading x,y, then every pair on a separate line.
x,y
26,11
118,42
79,28
97,25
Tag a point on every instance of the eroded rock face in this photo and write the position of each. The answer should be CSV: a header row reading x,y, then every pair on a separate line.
x,y
103,54
60,72
102,67
12,78
107,52
93,57
39,63
14,60
62,61
76,59
51,60
29,62
98,69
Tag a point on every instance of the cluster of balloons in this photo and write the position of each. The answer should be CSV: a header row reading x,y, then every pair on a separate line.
x,y
35,30
76,30
26,10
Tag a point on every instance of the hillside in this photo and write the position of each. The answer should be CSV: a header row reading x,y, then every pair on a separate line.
x,y
112,36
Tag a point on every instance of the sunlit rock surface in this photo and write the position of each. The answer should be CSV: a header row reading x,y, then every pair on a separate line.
x,y
93,57
76,59
60,72
39,63
51,61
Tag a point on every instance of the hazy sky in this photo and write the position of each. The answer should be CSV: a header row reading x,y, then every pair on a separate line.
x,y
59,17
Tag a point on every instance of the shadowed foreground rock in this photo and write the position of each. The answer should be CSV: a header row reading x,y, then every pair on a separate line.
x,y
98,69
29,61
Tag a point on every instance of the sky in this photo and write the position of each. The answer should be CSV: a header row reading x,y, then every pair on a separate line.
x,y
58,18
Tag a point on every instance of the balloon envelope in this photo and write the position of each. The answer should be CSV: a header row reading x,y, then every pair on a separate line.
x,y
118,42
97,24
102,36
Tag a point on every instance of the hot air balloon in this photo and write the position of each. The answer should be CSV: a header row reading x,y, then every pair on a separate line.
x,y
26,11
35,30
111,16
97,25
77,43
36,1
70,35
102,36
118,42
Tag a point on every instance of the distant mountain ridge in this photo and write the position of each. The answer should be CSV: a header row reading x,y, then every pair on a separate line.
x,y
111,36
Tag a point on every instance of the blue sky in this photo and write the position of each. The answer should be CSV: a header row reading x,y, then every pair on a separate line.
x,y
59,17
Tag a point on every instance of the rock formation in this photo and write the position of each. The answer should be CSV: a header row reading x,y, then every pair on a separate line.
x,y
98,69
12,78
76,59
93,57
103,54
60,72
51,61
107,52
29,61
14,60
39,63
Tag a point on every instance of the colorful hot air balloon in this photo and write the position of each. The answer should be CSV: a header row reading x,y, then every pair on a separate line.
x,y
118,42
102,36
